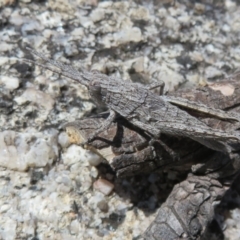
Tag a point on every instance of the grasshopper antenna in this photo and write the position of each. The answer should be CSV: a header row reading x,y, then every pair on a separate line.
x,y
82,77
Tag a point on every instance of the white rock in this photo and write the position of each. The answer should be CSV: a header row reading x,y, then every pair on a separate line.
x,y
50,19
4,47
16,19
170,77
226,28
19,151
96,222
64,179
94,172
74,227
128,35
63,140
35,41
31,26
103,186
4,208
138,64
75,154
83,179
71,50
35,96
98,14
9,227
172,23
47,33
77,32
230,5
94,159
140,13
25,1
212,72
20,179
3,60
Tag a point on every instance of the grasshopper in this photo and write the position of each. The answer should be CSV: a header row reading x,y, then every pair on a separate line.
x,y
153,113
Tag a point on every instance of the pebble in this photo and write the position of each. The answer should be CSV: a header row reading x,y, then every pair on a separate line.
x,y
212,72
10,83
94,159
225,89
36,97
103,186
103,206
128,35
63,140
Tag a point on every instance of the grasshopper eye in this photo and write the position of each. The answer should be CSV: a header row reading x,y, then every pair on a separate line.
x,y
95,86
95,90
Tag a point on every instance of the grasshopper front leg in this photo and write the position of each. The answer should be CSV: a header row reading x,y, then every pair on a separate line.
x,y
171,152
104,126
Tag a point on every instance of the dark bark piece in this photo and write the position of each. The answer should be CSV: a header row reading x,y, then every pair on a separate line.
x,y
188,209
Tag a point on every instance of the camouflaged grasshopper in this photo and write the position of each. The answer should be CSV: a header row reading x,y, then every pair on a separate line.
x,y
153,113
189,209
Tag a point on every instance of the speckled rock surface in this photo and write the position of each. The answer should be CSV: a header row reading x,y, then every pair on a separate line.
x,y
47,186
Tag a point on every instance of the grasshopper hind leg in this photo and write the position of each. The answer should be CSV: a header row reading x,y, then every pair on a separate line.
x,y
154,134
